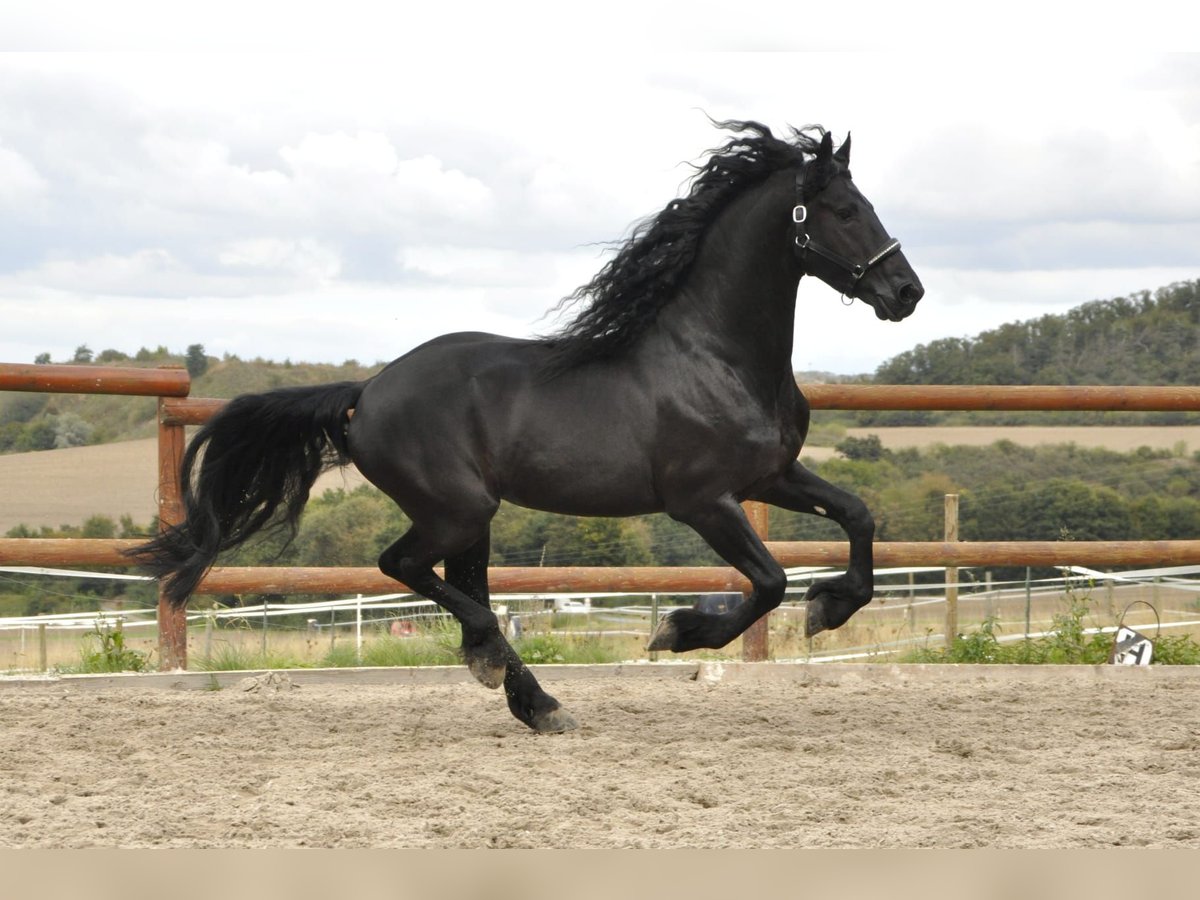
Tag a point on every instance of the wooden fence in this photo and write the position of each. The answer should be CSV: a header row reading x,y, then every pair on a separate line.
x,y
177,410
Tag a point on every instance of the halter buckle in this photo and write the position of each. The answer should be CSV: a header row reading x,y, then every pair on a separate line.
x,y
799,213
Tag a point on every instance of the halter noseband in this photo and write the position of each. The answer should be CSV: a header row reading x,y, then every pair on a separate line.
x,y
805,244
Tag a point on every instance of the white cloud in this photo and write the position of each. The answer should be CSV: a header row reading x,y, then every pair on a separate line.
x,y
332,206
307,260
20,182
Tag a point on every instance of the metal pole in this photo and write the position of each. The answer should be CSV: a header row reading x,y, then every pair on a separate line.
x,y
1028,601
653,623
358,629
951,571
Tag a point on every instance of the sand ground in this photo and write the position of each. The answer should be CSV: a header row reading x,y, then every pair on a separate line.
x,y
1019,761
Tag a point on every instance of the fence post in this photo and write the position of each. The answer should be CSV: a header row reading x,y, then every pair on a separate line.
x,y
754,639
951,572
42,659
172,621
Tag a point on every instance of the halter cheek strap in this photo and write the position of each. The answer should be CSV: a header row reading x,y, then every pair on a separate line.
x,y
805,245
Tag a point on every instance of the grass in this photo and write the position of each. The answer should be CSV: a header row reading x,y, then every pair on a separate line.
x,y
436,644
1066,644
238,647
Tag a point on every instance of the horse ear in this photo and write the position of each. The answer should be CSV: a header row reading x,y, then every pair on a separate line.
x,y
825,151
843,153
821,169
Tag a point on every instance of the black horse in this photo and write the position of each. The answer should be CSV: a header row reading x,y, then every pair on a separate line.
x,y
671,391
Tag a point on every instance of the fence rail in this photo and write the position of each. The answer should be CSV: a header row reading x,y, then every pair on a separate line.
x,y
165,382
177,410
633,579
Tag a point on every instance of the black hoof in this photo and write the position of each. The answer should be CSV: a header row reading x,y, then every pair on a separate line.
x,y
829,604
814,619
487,673
687,629
487,661
664,636
554,721
541,712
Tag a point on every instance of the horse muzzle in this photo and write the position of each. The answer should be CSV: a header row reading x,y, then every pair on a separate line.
x,y
900,305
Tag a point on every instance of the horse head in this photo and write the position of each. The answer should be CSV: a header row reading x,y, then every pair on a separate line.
x,y
840,240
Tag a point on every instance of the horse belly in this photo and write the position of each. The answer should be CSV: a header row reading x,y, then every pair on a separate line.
x,y
590,468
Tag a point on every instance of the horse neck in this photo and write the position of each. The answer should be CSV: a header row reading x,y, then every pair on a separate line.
x,y
739,301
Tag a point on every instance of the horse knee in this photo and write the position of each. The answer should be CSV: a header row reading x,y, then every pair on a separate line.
x,y
770,587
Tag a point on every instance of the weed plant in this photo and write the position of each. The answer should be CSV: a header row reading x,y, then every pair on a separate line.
x,y
1067,643
104,650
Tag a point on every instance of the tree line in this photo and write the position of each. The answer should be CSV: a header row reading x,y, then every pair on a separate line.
x,y
1146,338
1007,492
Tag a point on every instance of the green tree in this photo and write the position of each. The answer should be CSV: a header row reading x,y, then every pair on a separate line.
x,y
196,361
869,448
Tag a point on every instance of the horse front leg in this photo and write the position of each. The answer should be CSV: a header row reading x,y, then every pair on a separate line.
x,y
830,601
724,527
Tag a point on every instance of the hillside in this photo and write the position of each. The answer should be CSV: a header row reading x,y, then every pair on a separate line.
x,y
1146,338
57,421
1142,339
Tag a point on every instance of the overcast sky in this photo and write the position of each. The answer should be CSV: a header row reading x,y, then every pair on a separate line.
x,y
329,206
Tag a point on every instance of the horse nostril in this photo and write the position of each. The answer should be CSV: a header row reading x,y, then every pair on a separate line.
x,y
910,293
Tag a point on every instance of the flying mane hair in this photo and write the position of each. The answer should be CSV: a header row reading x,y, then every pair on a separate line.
x,y
649,267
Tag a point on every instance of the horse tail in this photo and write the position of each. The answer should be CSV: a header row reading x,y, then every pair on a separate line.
x,y
259,455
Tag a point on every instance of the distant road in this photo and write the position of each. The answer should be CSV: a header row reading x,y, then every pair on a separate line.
x,y
65,487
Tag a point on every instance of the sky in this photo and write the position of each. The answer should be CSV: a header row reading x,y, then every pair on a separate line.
x,y
267,191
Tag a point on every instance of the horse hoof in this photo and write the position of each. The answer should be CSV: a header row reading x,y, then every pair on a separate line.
x,y
555,721
814,618
486,673
665,635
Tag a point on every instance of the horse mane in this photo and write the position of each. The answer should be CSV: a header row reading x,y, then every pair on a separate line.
x,y
649,267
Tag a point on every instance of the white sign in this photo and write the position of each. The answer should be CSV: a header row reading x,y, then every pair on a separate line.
x,y
1132,648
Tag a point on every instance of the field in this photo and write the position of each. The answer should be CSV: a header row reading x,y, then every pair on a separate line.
x,y
748,757
57,487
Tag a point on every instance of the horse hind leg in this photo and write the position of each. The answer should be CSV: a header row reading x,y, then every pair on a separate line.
x,y
527,701
410,560
488,655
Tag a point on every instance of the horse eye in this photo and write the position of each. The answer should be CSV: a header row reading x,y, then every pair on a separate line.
x,y
846,213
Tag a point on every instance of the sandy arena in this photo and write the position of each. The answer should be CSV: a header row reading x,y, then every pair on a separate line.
x,y
852,756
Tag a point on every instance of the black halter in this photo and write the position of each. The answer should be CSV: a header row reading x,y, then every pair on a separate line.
x,y
805,244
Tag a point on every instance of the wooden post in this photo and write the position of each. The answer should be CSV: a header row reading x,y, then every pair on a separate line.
x,y
172,621
42,663
755,638
951,571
